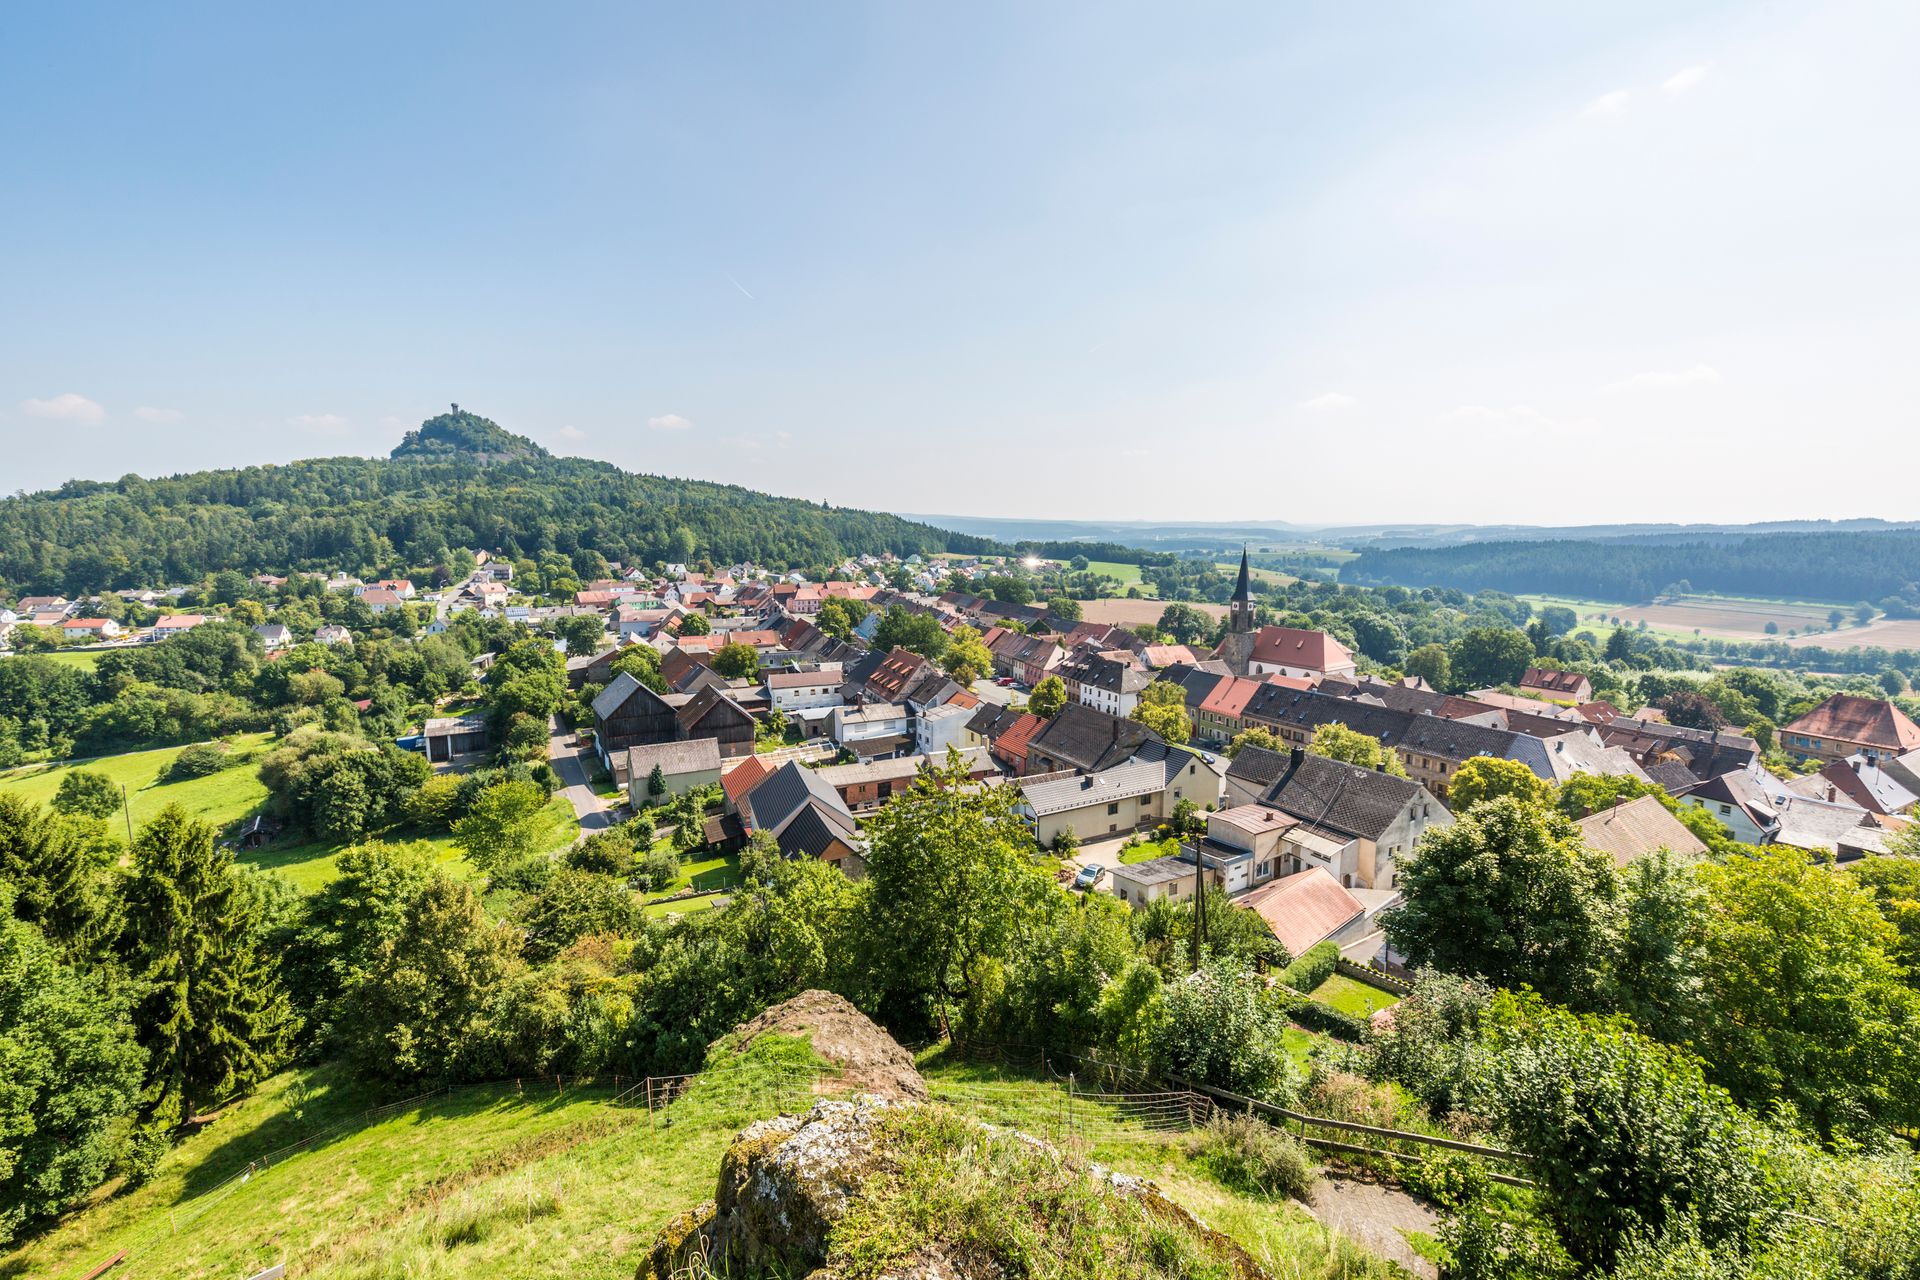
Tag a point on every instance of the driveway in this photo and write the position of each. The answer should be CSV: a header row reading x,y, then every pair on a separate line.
x,y
575,765
1105,851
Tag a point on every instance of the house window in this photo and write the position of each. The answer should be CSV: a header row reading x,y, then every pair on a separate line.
x,y
1113,808
1726,808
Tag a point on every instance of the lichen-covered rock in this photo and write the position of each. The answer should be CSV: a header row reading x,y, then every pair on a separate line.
x,y
870,1060
783,1183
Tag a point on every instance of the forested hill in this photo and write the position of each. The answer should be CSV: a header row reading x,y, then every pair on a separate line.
x,y
1841,567
458,482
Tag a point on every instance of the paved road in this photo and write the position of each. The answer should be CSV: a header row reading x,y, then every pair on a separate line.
x,y
575,767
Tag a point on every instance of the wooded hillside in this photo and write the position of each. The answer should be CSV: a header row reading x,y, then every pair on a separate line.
x,y
460,481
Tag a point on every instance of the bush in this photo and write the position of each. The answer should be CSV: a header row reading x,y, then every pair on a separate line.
x,y
659,868
1251,1156
1315,1016
608,852
1313,967
198,761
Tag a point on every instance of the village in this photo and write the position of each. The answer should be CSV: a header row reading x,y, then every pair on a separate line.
x,y
1146,768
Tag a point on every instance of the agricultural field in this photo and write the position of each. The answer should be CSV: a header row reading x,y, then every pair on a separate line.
x,y
1128,574
1262,577
1887,633
1714,617
1129,613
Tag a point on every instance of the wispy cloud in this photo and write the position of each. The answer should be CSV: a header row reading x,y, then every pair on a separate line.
x,y
669,422
65,408
1331,402
1700,375
1685,80
147,413
1484,417
1608,105
571,433
321,422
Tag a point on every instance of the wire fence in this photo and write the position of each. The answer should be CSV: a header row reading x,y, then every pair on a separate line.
x,y
1104,1100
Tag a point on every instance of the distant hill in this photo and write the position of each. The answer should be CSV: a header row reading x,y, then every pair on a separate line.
x,y
1842,567
459,481
463,434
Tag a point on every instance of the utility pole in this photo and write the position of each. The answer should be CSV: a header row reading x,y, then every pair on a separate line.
x,y
1199,907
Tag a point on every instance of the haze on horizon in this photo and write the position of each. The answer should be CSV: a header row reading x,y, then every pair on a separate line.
x,y
1480,263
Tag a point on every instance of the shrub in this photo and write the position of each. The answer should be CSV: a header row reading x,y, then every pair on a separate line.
x,y
608,852
1249,1155
198,761
659,868
1315,1016
1313,967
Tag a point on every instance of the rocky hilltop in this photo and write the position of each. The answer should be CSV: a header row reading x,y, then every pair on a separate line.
x,y
887,1185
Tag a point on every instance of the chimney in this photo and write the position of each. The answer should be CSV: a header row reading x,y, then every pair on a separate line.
x,y
1381,767
1295,756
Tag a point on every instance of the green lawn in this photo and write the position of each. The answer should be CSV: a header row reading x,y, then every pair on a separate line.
x,y
717,871
232,794
309,864
1350,996
1150,850
219,798
85,659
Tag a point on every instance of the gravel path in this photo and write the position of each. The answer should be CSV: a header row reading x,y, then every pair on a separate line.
x,y
1373,1217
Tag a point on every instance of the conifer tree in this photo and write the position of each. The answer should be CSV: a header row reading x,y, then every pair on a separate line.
x,y
213,1017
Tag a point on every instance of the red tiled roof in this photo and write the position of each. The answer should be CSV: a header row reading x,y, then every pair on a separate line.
x,y
1566,682
1230,697
964,698
1013,743
1285,646
1303,909
1868,721
742,778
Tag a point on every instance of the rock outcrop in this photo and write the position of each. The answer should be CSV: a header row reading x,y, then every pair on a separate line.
x,y
870,1060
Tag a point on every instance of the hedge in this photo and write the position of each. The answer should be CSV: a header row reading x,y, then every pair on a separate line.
x,y
1313,968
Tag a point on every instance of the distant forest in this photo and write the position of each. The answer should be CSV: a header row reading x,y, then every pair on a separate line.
x,y
458,482
1838,567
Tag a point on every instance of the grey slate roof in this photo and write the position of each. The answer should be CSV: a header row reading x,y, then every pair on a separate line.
x,y
1061,795
615,695
1339,796
1257,766
1089,739
691,755
789,789
1423,734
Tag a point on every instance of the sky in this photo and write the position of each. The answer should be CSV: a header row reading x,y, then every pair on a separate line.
x,y
1323,263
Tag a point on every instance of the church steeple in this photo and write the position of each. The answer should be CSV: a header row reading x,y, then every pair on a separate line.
x,y
1240,615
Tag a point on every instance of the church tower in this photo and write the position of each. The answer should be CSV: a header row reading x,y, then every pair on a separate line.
x,y
1240,615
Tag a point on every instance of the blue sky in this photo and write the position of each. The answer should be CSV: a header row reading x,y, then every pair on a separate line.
x,y
1473,262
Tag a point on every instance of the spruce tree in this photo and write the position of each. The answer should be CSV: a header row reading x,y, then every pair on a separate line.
x,y
58,872
213,1017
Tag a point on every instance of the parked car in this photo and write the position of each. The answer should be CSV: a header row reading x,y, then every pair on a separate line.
x,y
1089,875
1005,682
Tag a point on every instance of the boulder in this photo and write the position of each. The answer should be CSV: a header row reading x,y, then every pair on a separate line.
x,y
870,1060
